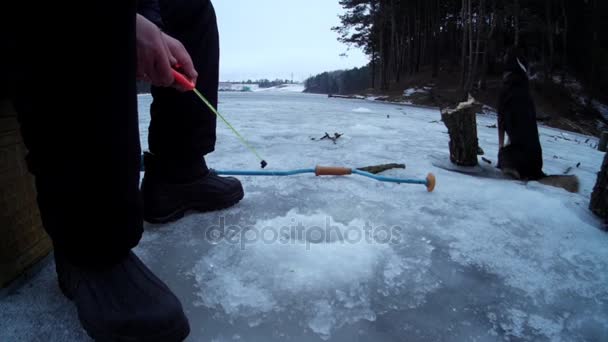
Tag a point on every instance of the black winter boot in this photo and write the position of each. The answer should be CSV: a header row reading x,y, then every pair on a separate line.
x,y
124,302
169,191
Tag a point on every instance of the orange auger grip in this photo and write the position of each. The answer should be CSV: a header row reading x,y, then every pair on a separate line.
x,y
332,171
430,182
183,80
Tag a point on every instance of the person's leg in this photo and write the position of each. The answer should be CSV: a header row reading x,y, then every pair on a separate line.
x,y
76,101
77,106
182,129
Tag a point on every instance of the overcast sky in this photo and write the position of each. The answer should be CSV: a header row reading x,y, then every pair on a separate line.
x,y
275,38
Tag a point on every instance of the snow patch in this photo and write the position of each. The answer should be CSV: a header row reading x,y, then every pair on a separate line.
x,y
411,91
362,110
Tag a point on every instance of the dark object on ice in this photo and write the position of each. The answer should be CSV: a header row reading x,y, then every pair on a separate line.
x,y
486,160
480,151
388,116
578,165
123,302
492,126
517,118
167,198
462,127
263,164
603,142
381,168
334,138
599,197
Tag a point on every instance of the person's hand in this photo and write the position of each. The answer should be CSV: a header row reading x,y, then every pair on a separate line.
x,y
153,57
179,56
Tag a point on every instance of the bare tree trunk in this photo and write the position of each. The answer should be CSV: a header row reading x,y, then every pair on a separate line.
x,y
484,69
550,46
480,29
516,17
596,49
418,36
373,62
564,42
464,44
436,38
468,84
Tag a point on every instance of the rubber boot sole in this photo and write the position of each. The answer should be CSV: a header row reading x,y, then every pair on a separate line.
x,y
201,207
178,333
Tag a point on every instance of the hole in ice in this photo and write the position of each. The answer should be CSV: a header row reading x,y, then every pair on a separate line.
x,y
317,272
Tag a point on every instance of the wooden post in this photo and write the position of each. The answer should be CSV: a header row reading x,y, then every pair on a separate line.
x,y
462,127
599,197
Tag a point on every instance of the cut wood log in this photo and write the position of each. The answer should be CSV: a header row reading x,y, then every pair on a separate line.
x,y
462,128
376,169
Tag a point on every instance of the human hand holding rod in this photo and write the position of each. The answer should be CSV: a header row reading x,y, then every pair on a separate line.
x,y
157,52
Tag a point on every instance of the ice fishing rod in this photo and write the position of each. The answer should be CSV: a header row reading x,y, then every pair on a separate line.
x,y
189,85
429,182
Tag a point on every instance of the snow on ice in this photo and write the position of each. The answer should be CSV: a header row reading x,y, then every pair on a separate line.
x,y
477,260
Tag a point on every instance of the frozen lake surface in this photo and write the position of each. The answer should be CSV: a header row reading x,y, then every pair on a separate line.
x,y
477,260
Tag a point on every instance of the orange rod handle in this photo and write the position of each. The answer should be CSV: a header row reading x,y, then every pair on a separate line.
x,y
332,171
182,80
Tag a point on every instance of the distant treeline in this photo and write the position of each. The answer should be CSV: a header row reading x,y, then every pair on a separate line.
x,y
340,82
470,38
269,84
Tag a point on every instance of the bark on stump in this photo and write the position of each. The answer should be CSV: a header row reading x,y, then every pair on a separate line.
x,y
462,127
599,197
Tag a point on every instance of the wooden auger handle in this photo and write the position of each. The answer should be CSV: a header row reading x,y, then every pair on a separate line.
x,y
332,171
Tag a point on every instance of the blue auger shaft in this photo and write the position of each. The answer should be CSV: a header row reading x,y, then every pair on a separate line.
x,y
429,182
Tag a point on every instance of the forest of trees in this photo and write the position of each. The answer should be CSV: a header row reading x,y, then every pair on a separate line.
x,y
264,83
339,82
470,37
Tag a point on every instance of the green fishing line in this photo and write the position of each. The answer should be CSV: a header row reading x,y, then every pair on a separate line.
x,y
230,126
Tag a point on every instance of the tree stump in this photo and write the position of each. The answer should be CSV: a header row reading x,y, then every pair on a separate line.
x,y
462,127
599,197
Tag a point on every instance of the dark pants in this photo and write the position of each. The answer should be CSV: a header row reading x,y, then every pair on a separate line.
x,y
77,104
182,129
